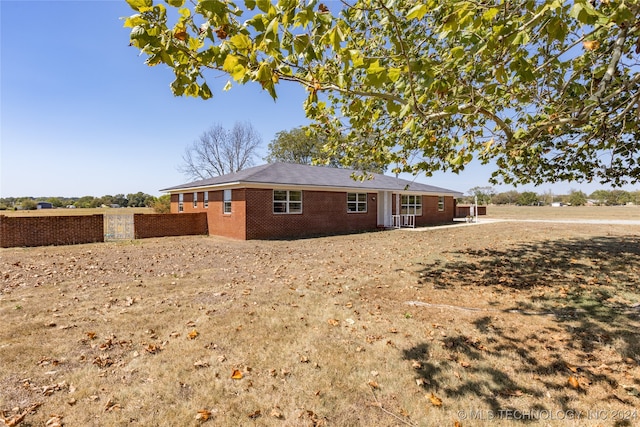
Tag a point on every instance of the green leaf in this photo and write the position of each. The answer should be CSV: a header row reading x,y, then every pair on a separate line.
x,y
521,38
335,38
264,73
175,3
500,74
195,43
241,42
134,20
417,11
215,7
394,74
264,5
137,32
393,107
300,43
457,52
272,28
490,14
234,67
376,74
375,68
205,92
137,4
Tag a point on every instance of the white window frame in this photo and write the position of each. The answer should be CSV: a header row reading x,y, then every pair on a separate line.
x,y
357,202
195,199
206,199
440,203
180,202
287,205
227,197
411,204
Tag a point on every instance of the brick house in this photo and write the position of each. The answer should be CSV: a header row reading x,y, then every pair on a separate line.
x,y
280,200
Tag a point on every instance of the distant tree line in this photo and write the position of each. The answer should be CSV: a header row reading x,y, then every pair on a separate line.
x,y
138,200
487,195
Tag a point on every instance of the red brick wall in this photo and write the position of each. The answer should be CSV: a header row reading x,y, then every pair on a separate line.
x,y
50,230
232,225
220,224
430,213
323,212
463,211
161,225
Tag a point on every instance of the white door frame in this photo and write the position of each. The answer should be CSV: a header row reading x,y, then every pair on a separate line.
x,y
385,204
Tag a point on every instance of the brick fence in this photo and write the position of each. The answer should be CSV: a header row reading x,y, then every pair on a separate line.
x,y
161,225
465,210
72,230
50,230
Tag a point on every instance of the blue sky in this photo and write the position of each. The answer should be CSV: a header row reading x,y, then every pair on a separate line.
x,y
80,113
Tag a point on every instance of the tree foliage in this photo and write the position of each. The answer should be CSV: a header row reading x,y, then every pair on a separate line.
x,y
161,204
482,194
295,146
505,198
548,90
300,146
219,151
577,198
528,198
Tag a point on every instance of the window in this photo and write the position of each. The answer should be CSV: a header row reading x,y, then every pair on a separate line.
x,y
206,199
285,201
411,205
227,202
195,199
440,203
180,202
356,202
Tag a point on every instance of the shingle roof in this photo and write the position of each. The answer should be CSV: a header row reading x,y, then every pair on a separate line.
x,y
290,174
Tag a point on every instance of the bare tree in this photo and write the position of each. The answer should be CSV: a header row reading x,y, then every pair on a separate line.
x,y
219,151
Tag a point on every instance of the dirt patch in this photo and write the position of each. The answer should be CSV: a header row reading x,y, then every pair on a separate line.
x,y
470,324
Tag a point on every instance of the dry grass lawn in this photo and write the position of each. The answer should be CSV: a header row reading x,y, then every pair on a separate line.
x,y
521,323
565,212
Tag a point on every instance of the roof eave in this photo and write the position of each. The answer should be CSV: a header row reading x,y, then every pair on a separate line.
x,y
309,187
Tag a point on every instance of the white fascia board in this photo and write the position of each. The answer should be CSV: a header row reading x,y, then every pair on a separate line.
x,y
226,185
277,186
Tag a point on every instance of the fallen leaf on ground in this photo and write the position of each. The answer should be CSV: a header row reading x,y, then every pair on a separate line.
x,y
374,384
573,382
333,322
255,414
152,348
193,334
236,374
203,415
572,368
112,406
54,421
201,364
435,400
